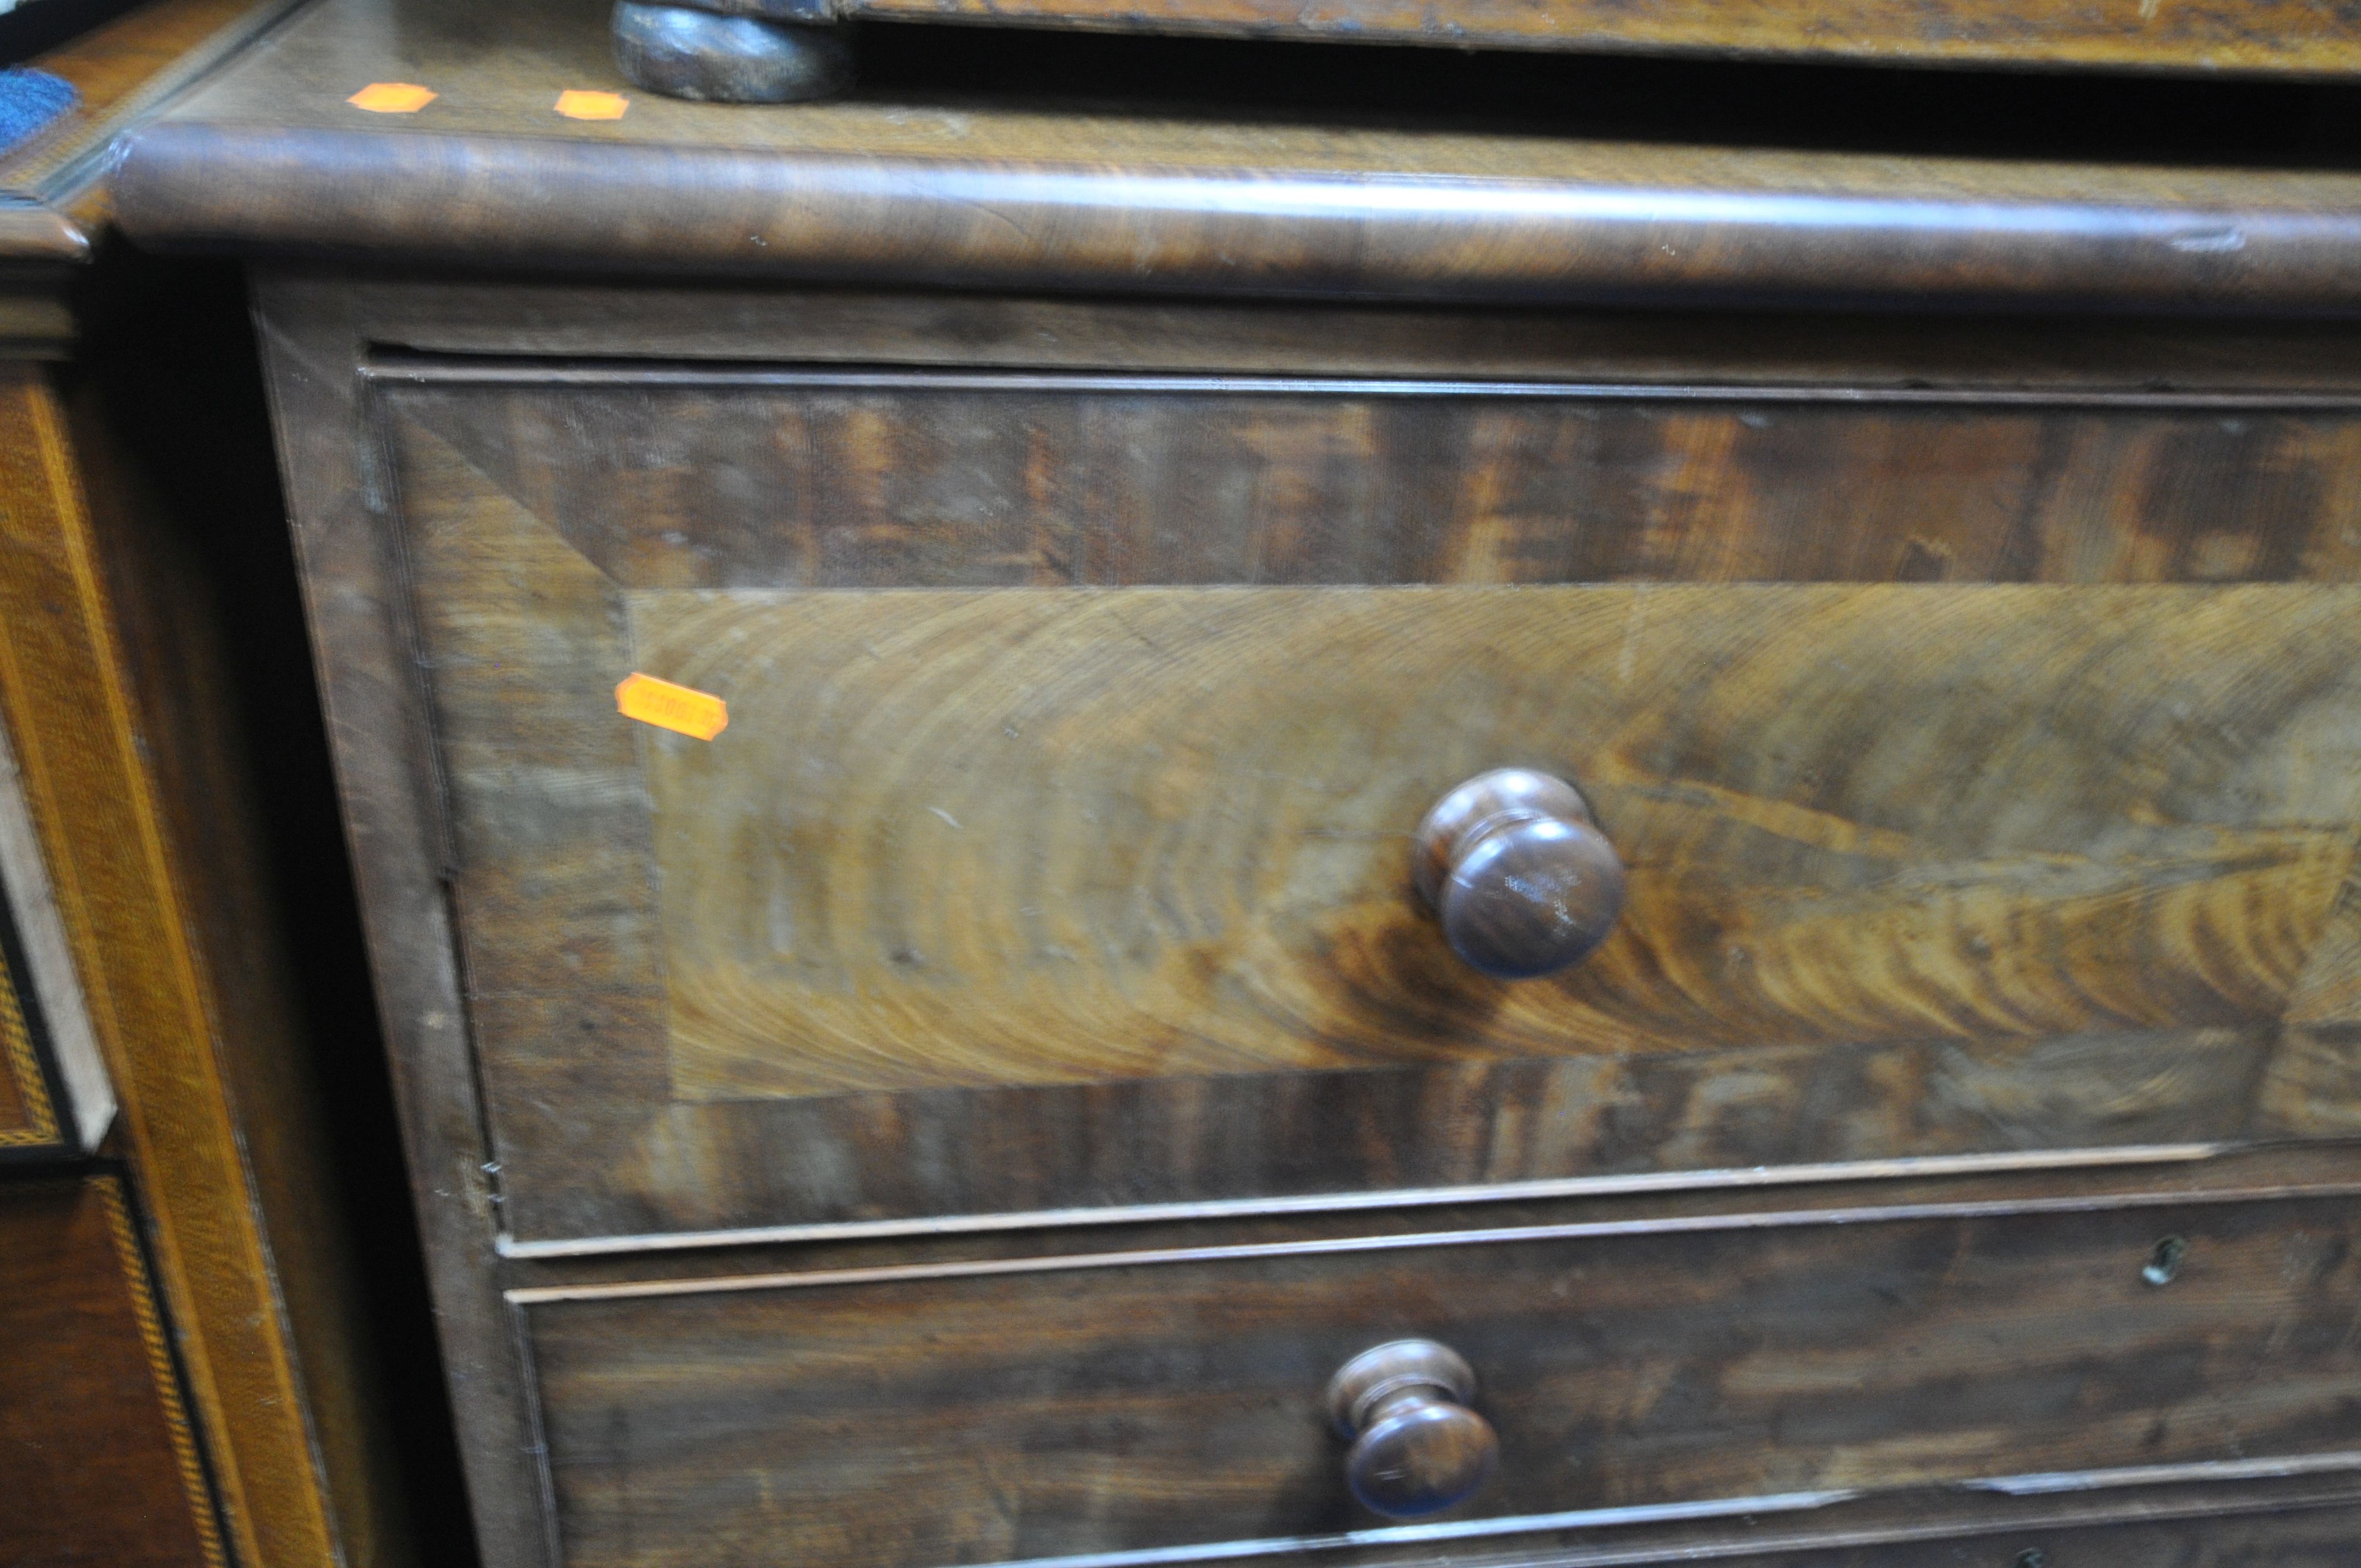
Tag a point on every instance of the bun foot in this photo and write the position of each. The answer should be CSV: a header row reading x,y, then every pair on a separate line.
x,y
688,51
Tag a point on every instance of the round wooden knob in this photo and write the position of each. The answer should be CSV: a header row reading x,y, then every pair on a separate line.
x,y
1417,1448
1522,877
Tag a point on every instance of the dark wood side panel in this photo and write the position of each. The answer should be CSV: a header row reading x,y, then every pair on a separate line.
x,y
338,495
75,711
1082,1409
171,607
101,1464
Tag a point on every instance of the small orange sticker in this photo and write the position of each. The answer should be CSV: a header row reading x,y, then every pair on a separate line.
x,y
670,706
392,98
580,105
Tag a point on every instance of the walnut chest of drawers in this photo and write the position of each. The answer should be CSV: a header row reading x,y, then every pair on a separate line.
x,y
887,737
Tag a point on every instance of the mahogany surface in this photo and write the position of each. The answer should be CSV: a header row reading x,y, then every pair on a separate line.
x,y
965,1108
102,1460
1016,196
888,531
1109,1404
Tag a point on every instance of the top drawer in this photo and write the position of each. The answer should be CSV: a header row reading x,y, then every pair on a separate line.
x,y
1970,805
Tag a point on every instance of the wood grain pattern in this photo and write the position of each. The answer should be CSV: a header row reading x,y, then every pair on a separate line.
x,y
2243,1525
958,840
273,158
124,70
389,476
2313,1086
66,693
109,686
58,1075
1109,1409
2313,1538
355,608
802,479
28,1119
421,321
971,841
101,1459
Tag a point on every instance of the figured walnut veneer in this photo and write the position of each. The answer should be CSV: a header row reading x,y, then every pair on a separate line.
x,y
1114,1403
1931,866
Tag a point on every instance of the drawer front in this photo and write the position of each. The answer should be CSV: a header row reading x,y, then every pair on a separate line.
x,y
979,1413
100,1461
795,479
1005,899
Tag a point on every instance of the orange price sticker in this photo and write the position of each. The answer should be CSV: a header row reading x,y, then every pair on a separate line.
x,y
577,104
668,706
392,98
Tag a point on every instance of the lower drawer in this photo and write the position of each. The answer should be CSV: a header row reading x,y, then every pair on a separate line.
x,y
979,1412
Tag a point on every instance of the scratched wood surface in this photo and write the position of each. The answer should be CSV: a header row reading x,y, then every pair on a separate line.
x,y
1099,1409
983,893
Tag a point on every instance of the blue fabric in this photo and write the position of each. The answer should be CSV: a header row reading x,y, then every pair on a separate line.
x,y
29,100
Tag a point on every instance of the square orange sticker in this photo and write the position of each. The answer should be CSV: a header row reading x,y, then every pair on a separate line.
x,y
581,105
392,98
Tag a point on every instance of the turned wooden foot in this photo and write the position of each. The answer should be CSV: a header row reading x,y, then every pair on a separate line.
x,y
733,51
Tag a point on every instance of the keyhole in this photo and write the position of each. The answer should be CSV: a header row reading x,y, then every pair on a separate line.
x,y
2164,1262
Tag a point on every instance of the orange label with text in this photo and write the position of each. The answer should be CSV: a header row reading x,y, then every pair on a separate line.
x,y
669,706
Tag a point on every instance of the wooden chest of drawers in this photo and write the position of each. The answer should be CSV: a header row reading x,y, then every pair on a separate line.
x,y
964,1108
889,815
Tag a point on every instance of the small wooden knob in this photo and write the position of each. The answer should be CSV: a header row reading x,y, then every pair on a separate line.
x,y
1522,877
1417,1448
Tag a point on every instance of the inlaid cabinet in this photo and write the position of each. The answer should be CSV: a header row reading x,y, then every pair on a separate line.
x,y
188,1372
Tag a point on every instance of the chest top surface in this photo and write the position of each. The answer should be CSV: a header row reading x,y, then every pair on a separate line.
x,y
492,170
